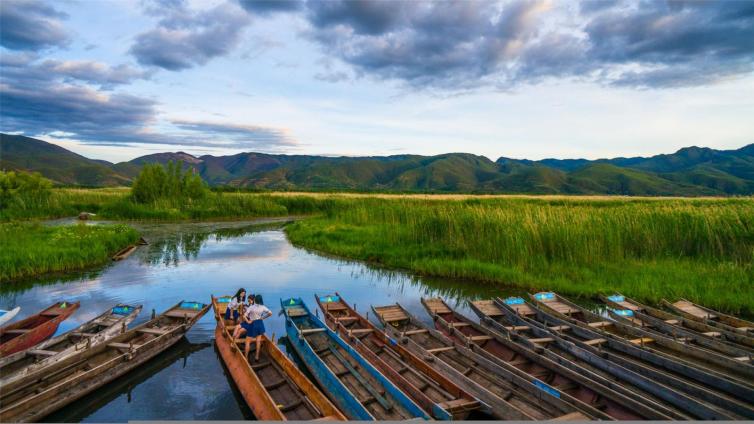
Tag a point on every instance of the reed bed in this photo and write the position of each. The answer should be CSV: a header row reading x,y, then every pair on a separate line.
x,y
646,248
31,249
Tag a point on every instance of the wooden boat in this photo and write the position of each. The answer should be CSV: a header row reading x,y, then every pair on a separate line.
x,y
509,395
274,388
6,316
107,325
125,252
35,329
709,316
670,371
585,394
737,371
42,392
431,390
625,310
354,385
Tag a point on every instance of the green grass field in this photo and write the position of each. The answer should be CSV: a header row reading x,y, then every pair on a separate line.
x,y
31,249
646,248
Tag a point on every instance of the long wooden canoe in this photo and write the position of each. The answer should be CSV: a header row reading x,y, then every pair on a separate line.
x,y
605,366
710,316
625,310
668,370
107,325
274,388
587,395
737,371
435,393
40,393
509,395
353,384
35,329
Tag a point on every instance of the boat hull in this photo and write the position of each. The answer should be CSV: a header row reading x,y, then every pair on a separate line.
x,y
37,334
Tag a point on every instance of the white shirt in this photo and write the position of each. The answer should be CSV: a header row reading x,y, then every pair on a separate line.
x,y
233,304
256,311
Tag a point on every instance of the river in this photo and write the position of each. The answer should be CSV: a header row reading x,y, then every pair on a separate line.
x,y
191,262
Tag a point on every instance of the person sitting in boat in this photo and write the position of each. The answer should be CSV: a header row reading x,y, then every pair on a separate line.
x,y
252,325
235,305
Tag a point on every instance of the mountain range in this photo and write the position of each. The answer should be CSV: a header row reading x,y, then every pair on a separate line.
x,y
691,171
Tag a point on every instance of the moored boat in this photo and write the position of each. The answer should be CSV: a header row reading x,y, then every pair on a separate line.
x,y
431,390
35,329
737,371
359,390
509,395
631,312
700,313
40,393
105,326
585,394
6,316
671,371
274,388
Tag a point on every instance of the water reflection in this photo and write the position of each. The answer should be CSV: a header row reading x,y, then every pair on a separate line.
x,y
192,261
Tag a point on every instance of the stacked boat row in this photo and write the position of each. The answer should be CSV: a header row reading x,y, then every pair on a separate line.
x,y
40,375
545,359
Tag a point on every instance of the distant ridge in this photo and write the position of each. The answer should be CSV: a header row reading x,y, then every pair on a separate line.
x,y
691,171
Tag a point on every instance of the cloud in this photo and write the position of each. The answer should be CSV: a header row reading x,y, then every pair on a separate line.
x,y
266,7
184,38
479,43
31,25
241,136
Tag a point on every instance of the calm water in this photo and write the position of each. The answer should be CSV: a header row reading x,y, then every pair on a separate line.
x,y
192,261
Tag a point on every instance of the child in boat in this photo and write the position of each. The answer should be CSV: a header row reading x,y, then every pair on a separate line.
x,y
235,304
252,325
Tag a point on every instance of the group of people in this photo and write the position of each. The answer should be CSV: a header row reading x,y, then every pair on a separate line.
x,y
248,314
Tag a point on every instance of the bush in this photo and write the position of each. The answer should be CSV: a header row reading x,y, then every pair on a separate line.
x,y
23,190
173,183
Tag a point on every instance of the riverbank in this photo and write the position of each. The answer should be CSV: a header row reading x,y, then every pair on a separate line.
x,y
32,249
647,249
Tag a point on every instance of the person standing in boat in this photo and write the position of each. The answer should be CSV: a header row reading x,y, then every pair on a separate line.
x,y
233,311
252,325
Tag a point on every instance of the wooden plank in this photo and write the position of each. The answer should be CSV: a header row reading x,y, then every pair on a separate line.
x,y
41,352
440,349
312,330
595,342
156,331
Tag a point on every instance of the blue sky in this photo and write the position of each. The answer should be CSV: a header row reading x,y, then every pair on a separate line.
x,y
524,79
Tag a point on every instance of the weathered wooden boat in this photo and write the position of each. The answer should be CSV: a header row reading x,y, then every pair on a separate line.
x,y
125,252
107,325
431,390
35,329
670,371
585,394
509,395
274,388
710,316
631,312
359,390
40,393
6,316
605,366
736,371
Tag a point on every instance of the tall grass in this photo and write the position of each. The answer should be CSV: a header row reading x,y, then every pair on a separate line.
x,y
649,249
31,249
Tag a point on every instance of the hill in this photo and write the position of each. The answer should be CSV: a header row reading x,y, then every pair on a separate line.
x,y
691,171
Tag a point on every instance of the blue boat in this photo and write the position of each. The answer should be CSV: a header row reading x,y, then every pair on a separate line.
x,y
354,385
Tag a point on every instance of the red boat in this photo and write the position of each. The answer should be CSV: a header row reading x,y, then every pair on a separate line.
x,y
35,329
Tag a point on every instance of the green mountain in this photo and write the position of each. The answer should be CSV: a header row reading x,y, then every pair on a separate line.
x,y
692,171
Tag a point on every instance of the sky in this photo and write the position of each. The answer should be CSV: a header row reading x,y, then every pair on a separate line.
x,y
116,79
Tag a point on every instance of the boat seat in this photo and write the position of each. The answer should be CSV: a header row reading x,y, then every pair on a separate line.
x,y
572,416
712,334
559,327
296,312
419,331
79,334
360,331
274,384
440,349
335,307
600,324
743,358
19,331
180,314
458,324
312,330
122,346
671,321
480,338
155,331
642,340
41,352
341,319
595,342
542,340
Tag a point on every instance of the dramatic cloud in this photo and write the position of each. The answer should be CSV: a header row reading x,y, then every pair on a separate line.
x,y
241,136
31,25
265,7
472,44
25,69
184,38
